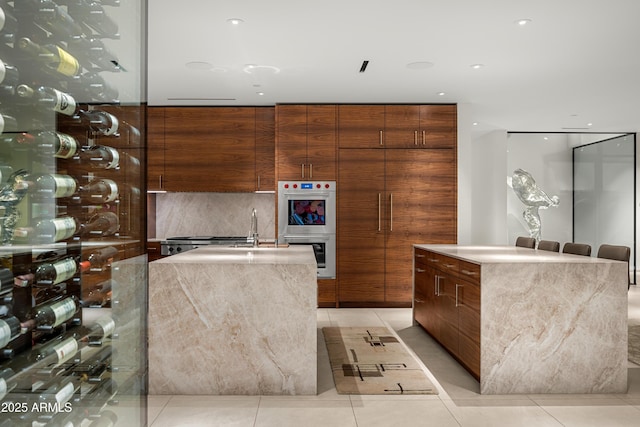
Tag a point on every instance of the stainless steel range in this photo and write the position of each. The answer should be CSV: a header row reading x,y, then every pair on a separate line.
x,y
176,245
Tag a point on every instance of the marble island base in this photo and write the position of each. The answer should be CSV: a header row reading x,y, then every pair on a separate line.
x,y
233,321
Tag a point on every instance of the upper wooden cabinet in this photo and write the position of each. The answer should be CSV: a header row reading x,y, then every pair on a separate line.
x,y
361,126
265,149
397,126
306,142
155,151
211,149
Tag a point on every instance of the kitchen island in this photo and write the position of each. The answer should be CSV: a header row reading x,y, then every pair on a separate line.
x,y
526,321
241,320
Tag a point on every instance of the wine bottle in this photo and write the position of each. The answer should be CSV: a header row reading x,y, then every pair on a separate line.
x,y
95,365
92,86
51,17
54,186
60,145
60,392
92,14
49,230
102,328
94,55
52,314
100,258
100,157
6,382
52,273
106,419
9,77
9,329
100,122
8,124
100,191
53,57
8,24
101,224
48,98
100,294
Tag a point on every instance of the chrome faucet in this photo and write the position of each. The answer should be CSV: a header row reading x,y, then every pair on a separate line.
x,y
254,227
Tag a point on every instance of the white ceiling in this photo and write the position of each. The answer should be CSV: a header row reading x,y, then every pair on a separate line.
x,y
577,62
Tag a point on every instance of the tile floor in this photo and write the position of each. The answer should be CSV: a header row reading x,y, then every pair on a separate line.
x,y
458,404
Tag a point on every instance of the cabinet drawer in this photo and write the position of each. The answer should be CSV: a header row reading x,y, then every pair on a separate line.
x,y
469,271
420,256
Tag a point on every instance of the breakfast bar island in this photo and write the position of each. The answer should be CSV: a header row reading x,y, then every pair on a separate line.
x,y
234,320
526,321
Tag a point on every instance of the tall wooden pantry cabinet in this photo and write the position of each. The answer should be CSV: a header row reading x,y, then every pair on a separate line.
x,y
397,180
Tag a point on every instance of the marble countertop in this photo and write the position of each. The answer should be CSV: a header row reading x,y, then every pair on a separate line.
x,y
302,254
508,254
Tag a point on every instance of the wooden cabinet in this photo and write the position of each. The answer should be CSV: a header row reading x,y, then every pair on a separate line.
x,y
265,137
397,126
306,142
361,126
211,149
361,226
447,304
327,293
155,151
389,200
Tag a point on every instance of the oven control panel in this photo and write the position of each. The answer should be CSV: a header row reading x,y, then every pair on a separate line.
x,y
303,186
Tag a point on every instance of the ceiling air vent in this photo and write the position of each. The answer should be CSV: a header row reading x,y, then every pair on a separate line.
x,y
363,67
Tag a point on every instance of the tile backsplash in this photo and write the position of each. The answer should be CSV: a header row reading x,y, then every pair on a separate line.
x,y
213,214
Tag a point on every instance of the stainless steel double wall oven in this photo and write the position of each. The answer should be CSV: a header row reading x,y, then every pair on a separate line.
x,y
307,216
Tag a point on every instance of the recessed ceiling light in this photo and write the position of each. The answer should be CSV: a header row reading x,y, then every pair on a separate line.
x,y
441,93
260,93
476,66
199,65
475,123
589,124
523,22
252,68
420,65
235,21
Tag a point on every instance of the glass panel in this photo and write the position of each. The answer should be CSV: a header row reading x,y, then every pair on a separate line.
x,y
604,193
73,268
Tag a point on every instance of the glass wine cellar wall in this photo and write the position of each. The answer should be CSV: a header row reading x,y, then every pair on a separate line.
x,y
72,226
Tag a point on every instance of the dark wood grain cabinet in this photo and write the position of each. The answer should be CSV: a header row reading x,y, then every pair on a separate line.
x,y
447,304
397,126
306,142
389,200
211,149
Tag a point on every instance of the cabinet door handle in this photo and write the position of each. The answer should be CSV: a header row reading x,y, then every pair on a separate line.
x,y
433,260
424,137
302,169
415,137
160,181
420,270
379,208
436,288
310,170
449,265
420,256
391,212
258,182
418,300
469,273
381,139
457,287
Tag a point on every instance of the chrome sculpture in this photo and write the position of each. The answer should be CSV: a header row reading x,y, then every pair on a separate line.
x,y
534,198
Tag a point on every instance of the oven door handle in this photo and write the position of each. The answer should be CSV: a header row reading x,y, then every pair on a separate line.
x,y
306,193
306,238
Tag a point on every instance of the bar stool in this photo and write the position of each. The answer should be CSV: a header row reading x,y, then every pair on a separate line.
x,y
549,245
526,242
618,253
577,249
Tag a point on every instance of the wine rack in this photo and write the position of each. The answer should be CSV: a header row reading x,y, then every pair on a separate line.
x,y
73,281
